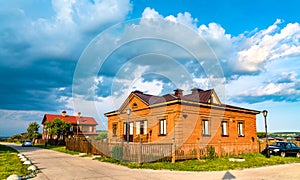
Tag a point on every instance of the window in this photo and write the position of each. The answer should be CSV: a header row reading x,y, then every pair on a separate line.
x,y
114,129
124,128
141,127
131,128
91,129
71,128
205,127
134,105
162,127
224,128
241,129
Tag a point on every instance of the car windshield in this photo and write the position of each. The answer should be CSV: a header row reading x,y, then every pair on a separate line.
x,y
279,144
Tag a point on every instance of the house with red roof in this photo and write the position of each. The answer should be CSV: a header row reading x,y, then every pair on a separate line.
x,y
197,117
81,126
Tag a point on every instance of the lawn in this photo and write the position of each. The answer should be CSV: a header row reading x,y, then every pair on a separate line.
x,y
10,163
216,164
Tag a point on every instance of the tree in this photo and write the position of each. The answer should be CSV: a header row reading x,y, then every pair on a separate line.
x,y
33,130
58,127
261,134
101,135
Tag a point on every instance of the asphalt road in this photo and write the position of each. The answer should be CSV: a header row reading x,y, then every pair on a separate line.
x,y
56,165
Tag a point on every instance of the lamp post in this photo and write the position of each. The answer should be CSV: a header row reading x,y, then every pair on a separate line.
x,y
77,130
128,111
265,113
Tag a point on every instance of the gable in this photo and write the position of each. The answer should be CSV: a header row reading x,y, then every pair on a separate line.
x,y
135,101
214,99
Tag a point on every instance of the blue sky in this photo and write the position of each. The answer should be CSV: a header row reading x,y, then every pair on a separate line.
x,y
88,56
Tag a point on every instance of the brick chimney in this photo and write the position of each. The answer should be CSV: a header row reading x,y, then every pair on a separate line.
x,y
64,113
178,92
79,114
196,90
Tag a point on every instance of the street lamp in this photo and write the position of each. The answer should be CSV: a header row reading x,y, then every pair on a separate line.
x,y
77,130
128,111
265,113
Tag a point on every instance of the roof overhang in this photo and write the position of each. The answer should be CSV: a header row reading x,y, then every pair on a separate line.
x,y
198,104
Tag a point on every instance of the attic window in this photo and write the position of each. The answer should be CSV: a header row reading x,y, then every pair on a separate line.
x,y
211,100
134,105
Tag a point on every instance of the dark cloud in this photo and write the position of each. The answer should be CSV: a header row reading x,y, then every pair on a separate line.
x,y
36,87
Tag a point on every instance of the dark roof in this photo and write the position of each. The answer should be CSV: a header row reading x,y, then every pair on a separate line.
x,y
196,96
71,119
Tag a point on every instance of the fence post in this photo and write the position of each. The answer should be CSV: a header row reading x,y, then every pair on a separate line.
x,y
174,151
140,152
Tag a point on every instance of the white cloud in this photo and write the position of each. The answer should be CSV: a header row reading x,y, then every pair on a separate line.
x,y
267,45
69,29
63,9
149,13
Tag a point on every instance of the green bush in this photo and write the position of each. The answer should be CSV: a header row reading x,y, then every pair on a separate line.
x,y
117,153
211,152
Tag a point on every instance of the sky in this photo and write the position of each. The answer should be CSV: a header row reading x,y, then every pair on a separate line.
x,y
88,56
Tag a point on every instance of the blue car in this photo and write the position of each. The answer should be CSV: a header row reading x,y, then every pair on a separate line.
x,y
27,143
284,149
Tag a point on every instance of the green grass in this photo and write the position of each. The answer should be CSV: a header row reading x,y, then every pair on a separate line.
x,y
10,163
217,164
57,148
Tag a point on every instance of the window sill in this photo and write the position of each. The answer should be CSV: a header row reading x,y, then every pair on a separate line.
x,y
162,135
241,135
225,135
206,135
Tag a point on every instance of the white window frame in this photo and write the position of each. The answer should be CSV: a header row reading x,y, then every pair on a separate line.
x,y
137,129
131,128
124,128
143,123
241,128
224,125
145,127
205,127
163,127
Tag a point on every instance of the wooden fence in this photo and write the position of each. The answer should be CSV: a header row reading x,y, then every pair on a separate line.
x,y
149,152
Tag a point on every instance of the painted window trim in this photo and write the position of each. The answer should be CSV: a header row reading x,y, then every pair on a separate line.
x,y
162,124
243,128
138,127
222,128
208,127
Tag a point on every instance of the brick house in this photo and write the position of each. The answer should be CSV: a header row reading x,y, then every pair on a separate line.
x,y
196,117
81,126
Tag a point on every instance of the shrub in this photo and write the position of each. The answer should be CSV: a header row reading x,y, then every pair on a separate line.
x,y
211,152
117,153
